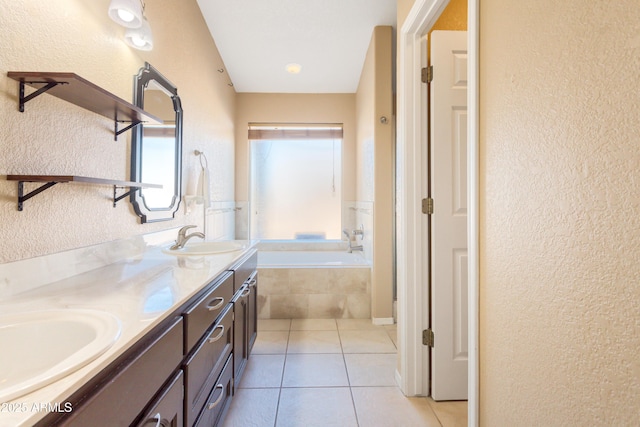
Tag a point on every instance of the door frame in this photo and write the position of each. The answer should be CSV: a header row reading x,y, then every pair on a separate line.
x,y
412,249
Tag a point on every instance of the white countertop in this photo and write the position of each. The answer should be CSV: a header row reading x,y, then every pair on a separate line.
x,y
140,291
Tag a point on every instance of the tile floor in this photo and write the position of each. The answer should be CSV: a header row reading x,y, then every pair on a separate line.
x,y
326,372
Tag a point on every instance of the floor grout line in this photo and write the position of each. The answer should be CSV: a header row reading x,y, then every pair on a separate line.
x,y
349,383
284,364
353,401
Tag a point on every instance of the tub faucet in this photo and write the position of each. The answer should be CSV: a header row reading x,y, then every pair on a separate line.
x,y
351,248
183,238
354,248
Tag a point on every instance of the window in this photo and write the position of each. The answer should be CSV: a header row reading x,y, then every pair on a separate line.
x,y
296,178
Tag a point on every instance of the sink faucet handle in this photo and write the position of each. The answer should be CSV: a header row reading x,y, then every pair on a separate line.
x,y
184,229
183,238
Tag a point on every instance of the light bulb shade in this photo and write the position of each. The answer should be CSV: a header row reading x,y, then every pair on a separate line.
x,y
140,38
127,13
293,68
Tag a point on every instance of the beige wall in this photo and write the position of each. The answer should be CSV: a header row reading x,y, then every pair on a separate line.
x,y
560,213
295,108
403,8
55,137
365,116
453,17
375,160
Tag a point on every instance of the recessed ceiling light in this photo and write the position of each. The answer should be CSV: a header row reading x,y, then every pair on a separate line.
x,y
293,68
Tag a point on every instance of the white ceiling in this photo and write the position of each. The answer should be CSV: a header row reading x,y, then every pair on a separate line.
x,y
328,38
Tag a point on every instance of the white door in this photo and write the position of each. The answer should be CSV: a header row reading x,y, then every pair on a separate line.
x,y
448,180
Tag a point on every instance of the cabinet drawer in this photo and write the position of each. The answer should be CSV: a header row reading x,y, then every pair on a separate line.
x,y
244,270
219,399
167,409
134,383
203,367
201,315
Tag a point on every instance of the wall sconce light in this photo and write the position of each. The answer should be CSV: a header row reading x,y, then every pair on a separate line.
x,y
130,14
127,13
140,38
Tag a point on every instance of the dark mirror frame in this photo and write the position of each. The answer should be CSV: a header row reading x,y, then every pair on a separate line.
x,y
149,213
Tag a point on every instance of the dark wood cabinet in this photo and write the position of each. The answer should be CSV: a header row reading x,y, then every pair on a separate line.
x,y
118,394
240,333
205,364
246,324
166,410
252,326
219,328
202,314
245,312
219,399
183,373
244,269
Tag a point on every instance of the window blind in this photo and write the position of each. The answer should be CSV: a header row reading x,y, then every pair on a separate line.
x,y
315,131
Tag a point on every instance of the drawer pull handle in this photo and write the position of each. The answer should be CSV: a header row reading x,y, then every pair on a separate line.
x,y
220,303
214,404
253,283
217,337
245,293
157,418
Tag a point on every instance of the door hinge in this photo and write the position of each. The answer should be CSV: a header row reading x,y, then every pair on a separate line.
x,y
427,206
427,74
427,337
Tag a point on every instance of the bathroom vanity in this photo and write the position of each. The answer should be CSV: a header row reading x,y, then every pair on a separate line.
x,y
181,371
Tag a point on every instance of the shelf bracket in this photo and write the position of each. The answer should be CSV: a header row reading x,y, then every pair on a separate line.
x,y
117,198
118,132
24,197
24,99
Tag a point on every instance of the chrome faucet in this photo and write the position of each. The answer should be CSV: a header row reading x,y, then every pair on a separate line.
x,y
183,238
351,248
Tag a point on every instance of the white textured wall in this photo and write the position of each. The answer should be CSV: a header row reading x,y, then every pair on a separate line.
x,y
560,213
55,137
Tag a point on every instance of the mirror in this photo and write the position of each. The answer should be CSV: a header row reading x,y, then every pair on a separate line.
x,y
156,149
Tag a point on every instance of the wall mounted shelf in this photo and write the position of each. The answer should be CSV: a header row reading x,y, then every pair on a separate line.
x,y
76,90
51,180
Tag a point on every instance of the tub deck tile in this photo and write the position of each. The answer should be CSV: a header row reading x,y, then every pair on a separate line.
x,y
312,292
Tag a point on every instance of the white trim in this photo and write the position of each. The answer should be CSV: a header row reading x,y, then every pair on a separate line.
x,y
383,321
398,378
412,225
473,224
411,189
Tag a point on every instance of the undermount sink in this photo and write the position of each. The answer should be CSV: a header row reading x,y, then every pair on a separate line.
x,y
39,348
208,248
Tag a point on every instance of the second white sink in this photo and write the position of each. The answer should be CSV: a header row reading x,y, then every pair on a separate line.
x,y
208,248
41,347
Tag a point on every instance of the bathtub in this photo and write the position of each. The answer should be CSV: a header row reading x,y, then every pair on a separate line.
x,y
311,259
313,285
